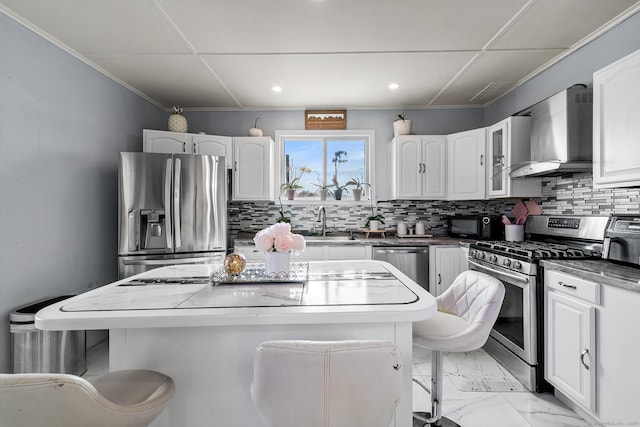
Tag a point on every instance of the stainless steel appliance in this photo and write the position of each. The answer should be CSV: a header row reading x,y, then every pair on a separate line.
x,y
412,261
481,227
172,210
561,135
622,240
516,340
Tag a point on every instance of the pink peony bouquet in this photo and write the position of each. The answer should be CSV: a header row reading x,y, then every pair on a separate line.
x,y
279,238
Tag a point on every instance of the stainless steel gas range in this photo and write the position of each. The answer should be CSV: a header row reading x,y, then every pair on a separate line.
x,y
516,340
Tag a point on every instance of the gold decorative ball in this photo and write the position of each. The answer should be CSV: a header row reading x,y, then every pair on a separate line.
x,y
235,263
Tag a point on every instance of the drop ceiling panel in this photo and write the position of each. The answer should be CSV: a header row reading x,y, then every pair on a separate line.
x,y
102,26
560,24
505,68
336,80
302,26
170,80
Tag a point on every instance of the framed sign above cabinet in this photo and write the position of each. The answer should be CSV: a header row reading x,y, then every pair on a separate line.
x,y
325,119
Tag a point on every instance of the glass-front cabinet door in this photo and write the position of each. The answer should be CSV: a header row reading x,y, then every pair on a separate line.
x,y
498,177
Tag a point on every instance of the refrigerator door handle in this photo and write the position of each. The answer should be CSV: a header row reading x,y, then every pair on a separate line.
x,y
167,203
172,261
176,201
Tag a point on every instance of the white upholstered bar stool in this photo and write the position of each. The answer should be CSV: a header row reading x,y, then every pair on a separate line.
x,y
327,383
131,398
466,313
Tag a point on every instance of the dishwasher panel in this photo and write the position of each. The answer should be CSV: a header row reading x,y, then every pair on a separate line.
x,y
412,261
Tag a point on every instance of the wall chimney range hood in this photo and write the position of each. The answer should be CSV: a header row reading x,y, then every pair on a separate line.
x,y
561,135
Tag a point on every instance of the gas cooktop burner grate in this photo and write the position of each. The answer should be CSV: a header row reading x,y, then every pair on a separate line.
x,y
537,250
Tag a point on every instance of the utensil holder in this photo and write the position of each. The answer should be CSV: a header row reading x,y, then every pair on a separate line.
x,y
514,232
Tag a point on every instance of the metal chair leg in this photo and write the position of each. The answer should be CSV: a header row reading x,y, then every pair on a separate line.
x,y
434,418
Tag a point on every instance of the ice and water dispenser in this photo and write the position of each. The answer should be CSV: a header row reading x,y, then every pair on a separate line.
x,y
147,229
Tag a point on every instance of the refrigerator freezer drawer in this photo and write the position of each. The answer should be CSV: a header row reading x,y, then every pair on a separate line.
x,y
131,265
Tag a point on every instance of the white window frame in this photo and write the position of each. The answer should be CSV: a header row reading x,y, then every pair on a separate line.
x,y
368,135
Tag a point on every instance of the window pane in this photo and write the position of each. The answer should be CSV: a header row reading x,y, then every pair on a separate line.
x,y
303,153
346,160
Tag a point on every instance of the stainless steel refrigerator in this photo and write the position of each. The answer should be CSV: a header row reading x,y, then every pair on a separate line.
x,y
172,210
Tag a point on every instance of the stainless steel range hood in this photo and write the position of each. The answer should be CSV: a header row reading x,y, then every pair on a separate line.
x,y
561,135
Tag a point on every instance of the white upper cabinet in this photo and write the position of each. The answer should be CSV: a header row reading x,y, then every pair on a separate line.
x,y
159,141
466,165
253,168
508,144
419,166
214,145
616,124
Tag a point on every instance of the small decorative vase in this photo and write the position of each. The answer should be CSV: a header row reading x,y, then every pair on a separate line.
x,y
323,193
374,224
357,194
177,122
291,194
337,193
277,262
402,127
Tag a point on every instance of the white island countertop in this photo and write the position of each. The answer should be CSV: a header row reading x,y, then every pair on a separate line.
x,y
337,291
204,336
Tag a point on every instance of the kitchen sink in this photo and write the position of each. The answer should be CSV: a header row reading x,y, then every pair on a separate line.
x,y
330,236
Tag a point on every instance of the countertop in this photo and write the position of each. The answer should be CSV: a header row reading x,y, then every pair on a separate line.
x,y
600,271
336,292
376,241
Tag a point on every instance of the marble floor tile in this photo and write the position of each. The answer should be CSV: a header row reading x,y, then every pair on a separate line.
x,y
544,410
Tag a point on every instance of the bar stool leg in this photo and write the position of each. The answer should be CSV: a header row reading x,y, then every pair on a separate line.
x,y
434,418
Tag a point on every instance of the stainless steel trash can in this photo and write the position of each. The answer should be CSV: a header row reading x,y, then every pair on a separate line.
x,y
35,350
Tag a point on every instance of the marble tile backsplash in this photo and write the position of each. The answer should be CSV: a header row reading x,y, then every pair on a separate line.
x,y
569,195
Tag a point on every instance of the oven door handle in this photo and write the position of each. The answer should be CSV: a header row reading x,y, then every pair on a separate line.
x,y
500,273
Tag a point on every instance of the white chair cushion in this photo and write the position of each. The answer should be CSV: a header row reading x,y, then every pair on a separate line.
x,y
467,311
61,400
330,383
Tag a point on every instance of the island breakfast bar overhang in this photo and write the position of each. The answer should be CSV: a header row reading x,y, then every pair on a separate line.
x,y
204,336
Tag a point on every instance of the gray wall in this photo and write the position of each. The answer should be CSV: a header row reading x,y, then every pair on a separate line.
x,y
62,125
576,68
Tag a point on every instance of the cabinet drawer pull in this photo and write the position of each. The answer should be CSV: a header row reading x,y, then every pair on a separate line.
x,y
481,159
439,279
561,283
584,353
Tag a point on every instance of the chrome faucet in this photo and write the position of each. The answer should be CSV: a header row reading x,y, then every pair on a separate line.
x,y
322,217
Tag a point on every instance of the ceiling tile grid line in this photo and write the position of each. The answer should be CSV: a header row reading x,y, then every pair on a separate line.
x,y
212,55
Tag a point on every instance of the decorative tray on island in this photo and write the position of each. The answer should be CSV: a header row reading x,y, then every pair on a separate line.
x,y
255,273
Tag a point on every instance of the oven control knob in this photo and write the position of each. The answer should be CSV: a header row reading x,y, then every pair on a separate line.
x,y
517,265
493,258
480,255
506,262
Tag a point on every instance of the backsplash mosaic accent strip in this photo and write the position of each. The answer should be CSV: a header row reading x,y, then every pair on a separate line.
x,y
575,195
247,218
569,195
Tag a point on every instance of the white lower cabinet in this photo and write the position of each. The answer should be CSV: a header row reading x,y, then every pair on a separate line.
x,y
445,264
571,357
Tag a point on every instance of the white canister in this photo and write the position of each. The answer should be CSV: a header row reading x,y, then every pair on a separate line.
x,y
402,229
514,232
420,228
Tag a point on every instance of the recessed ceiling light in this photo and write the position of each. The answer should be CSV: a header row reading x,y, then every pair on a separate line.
x,y
394,86
276,89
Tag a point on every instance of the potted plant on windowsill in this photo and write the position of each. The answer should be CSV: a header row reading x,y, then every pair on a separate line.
x,y
339,157
323,188
292,185
358,190
401,126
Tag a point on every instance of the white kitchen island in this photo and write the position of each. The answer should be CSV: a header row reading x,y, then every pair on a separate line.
x,y
204,336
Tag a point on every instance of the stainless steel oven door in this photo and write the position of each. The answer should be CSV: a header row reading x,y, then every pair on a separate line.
x,y
515,327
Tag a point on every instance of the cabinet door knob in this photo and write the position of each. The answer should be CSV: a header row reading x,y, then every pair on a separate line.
x,y
582,355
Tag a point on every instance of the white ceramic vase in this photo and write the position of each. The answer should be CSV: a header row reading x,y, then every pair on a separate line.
x,y
277,262
401,127
374,224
